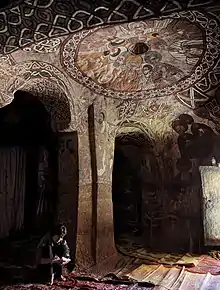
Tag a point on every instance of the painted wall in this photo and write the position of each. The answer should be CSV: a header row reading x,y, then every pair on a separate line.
x,y
170,93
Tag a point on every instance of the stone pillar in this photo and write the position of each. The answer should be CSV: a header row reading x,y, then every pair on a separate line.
x,y
104,154
84,247
95,230
105,227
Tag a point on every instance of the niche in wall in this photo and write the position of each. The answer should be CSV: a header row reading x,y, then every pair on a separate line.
x,y
155,206
28,171
135,175
39,176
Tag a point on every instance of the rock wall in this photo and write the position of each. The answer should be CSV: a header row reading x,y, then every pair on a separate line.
x,y
170,94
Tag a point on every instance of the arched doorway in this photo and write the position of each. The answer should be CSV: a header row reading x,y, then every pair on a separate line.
x,y
30,151
135,176
29,171
59,104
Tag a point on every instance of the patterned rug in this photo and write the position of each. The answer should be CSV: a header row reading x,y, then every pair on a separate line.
x,y
155,271
204,275
175,278
190,272
72,284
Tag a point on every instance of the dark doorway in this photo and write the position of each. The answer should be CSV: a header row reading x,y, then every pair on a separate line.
x,y
137,211
153,207
126,188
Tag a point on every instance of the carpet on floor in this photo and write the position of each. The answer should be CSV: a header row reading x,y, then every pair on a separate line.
x,y
120,265
72,284
204,275
163,272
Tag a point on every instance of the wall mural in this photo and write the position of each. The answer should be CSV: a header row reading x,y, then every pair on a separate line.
x,y
182,51
195,141
168,189
54,99
44,81
171,93
30,21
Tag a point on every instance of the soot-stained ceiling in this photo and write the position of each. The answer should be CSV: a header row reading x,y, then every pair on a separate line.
x,y
175,48
28,21
181,58
176,54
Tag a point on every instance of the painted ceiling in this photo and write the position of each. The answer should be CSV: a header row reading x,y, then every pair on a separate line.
x,y
181,61
181,51
26,21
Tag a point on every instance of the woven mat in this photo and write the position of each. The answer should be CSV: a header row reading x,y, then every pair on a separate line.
x,y
73,283
204,275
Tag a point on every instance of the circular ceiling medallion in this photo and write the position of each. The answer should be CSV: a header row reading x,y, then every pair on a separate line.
x,y
146,59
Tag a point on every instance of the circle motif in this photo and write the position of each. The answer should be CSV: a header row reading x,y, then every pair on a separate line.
x,y
181,51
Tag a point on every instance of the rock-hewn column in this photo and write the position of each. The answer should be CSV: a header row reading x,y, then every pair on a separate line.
x,y
95,230
84,247
84,256
104,155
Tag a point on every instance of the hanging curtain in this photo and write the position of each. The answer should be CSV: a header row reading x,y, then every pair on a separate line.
x,y
42,182
45,191
12,189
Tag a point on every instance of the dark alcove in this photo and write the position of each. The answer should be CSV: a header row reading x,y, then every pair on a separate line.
x,y
157,194
28,153
135,174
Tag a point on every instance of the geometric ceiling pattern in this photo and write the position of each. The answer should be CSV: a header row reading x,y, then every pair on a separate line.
x,y
183,58
30,21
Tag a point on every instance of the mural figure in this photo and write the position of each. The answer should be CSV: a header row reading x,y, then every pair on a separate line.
x,y
147,71
168,53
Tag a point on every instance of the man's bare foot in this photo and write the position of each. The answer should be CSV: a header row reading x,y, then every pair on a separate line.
x,y
62,278
52,280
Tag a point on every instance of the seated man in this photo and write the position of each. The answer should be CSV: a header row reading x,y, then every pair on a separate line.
x,y
52,253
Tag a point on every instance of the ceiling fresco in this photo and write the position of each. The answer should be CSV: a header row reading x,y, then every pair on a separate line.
x,y
181,61
174,50
182,55
28,21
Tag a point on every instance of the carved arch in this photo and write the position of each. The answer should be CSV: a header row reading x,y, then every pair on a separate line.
x,y
46,82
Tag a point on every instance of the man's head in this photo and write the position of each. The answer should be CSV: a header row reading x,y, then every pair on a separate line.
x,y
58,234
147,69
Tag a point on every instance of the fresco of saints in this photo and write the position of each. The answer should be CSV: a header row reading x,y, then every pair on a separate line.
x,y
146,80
157,43
128,80
89,62
165,75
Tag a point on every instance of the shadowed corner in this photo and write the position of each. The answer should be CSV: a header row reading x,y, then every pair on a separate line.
x,y
33,168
